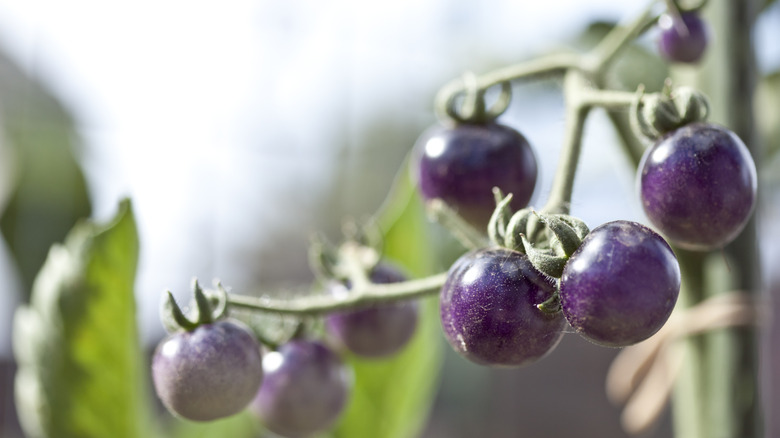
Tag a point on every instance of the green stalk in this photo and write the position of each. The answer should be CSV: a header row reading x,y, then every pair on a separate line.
x,y
717,395
691,392
576,114
318,304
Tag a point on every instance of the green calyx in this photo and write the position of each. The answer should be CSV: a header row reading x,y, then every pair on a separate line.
x,y
547,239
352,260
323,257
208,308
656,114
467,103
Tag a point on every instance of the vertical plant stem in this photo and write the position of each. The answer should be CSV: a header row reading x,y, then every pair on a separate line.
x,y
690,419
576,113
722,375
733,354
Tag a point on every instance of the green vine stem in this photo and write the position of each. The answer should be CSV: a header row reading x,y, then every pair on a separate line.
x,y
369,293
601,57
544,66
576,113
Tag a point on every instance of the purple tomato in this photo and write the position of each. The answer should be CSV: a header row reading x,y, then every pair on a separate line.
x,y
698,186
682,40
461,164
489,309
376,331
211,372
621,284
304,390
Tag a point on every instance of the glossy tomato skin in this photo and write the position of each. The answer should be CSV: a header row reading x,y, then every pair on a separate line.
x,y
682,41
460,164
488,309
305,389
698,186
211,372
379,330
621,284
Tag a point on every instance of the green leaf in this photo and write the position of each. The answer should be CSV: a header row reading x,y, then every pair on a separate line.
x,y
76,344
392,397
47,191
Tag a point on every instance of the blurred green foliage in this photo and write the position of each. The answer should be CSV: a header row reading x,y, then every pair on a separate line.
x,y
76,344
48,193
767,109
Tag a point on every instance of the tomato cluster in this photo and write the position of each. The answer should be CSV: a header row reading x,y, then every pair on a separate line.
x,y
507,305
218,369
620,286
498,307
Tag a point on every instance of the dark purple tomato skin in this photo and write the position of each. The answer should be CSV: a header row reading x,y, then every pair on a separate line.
x,y
376,331
683,41
488,309
461,164
211,372
698,186
304,391
621,284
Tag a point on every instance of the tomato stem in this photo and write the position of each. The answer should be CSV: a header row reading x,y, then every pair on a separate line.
x,y
318,304
576,114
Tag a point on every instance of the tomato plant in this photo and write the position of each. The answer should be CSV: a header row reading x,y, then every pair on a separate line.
x,y
520,274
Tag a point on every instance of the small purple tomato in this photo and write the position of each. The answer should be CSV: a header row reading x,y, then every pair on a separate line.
x,y
461,164
304,390
698,186
211,372
682,40
621,284
376,331
489,309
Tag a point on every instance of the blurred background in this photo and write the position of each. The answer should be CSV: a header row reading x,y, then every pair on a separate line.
x,y
239,128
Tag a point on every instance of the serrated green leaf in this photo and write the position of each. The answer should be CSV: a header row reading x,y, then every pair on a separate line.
x,y
76,343
392,397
